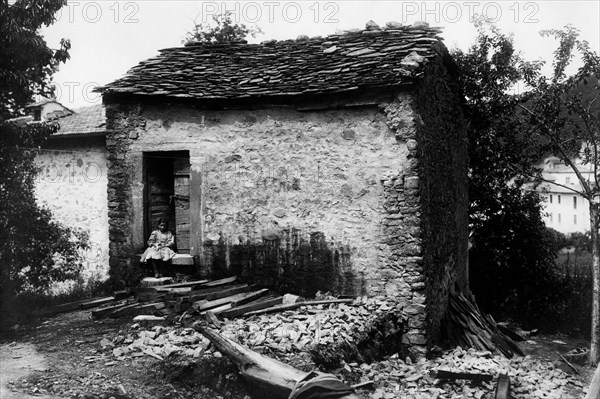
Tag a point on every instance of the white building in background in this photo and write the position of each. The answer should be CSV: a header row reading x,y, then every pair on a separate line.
x,y
565,210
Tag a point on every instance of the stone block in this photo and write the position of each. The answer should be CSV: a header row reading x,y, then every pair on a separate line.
x,y
411,182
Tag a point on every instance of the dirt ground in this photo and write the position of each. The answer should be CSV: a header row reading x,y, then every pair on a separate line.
x,y
63,358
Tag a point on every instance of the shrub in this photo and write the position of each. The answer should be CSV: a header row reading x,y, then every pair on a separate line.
x,y
36,250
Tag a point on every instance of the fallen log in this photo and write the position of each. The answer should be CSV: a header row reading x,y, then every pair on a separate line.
x,y
280,308
594,391
268,377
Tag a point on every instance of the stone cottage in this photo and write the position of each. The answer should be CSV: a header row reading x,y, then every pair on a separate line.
x,y
333,164
72,180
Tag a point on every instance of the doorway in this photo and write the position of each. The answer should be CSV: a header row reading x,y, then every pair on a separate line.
x,y
167,194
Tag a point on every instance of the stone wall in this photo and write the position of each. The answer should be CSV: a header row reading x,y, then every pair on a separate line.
x,y
282,191
348,200
72,182
442,163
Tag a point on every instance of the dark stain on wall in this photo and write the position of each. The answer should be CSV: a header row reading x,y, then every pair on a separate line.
x,y
288,261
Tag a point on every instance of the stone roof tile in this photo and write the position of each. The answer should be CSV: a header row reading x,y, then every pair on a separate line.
x,y
337,63
86,120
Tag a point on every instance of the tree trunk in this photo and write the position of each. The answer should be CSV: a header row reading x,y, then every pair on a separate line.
x,y
595,225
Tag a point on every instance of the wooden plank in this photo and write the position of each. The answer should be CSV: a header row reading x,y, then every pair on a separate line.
x,y
105,311
280,308
208,304
243,288
222,281
217,309
136,309
196,216
199,294
252,296
594,391
211,318
240,310
190,284
503,387
96,302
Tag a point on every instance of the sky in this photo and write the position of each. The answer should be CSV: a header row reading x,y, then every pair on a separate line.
x,y
108,37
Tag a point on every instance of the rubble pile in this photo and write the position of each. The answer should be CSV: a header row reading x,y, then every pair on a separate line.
x,y
529,378
309,325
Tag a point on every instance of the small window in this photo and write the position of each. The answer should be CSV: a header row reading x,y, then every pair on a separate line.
x,y
559,218
574,202
558,198
568,180
551,219
574,219
550,198
37,114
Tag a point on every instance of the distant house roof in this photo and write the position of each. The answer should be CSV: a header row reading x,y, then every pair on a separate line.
x,y
44,102
86,120
341,63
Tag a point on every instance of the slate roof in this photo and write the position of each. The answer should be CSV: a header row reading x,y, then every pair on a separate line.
x,y
340,63
86,120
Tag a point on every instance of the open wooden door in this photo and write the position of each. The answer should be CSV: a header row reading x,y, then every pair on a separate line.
x,y
181,200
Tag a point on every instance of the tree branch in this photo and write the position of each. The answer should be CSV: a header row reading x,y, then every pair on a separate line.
x,y
566,159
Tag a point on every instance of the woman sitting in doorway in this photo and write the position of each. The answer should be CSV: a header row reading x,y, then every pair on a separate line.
x,y
160,246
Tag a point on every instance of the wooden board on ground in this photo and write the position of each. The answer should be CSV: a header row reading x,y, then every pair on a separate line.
x,y
208,304
199,294
98,313
503,387
250,307
96,302
222,281
184,284
281,308
250,297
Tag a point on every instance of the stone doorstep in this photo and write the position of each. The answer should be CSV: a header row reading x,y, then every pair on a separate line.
x,y
180,259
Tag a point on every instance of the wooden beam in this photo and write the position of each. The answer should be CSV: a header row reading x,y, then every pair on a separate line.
x,y
197,295
207,304
250,297
278,379
241,310
503,387
184,284
281,308
222,281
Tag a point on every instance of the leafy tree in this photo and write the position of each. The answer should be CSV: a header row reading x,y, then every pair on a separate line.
x,y
35,250
222,30
26,62
510,132
510,246
563,113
